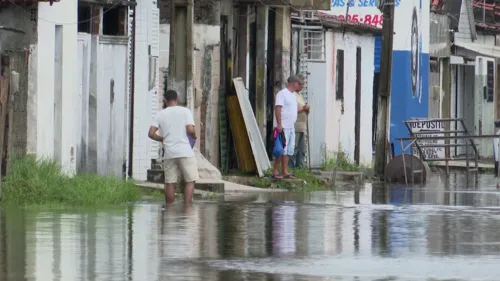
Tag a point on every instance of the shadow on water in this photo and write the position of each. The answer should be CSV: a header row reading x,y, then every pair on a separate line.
x,y
443,231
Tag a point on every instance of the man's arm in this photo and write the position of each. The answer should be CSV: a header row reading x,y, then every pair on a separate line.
x,y
152,134
278,115
279,103
305,108
190,129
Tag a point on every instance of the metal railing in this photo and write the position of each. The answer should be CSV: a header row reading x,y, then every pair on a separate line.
x,y
438,137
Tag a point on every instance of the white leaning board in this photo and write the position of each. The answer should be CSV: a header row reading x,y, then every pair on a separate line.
x,y
258,148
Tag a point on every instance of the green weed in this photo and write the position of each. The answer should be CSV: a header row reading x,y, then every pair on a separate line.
x,y
305,180
40,181
339,161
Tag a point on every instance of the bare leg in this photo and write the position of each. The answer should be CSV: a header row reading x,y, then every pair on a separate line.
x,y
169,192
276,165
188,193
284,165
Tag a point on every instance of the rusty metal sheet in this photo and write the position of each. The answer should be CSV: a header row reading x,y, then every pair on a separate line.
x,y
254,136
246,160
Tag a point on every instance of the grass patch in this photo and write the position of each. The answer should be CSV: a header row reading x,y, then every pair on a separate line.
x,y
339,161
41,181
305,181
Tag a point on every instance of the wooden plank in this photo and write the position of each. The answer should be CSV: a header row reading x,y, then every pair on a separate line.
x,y
246,160
258,148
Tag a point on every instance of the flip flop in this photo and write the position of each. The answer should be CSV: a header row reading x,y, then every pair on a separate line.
x,y
276,176
289,176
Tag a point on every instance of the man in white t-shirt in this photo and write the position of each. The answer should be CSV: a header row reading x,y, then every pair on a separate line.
x,y
175,123
287,109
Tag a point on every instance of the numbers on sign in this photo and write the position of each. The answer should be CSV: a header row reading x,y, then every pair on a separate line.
x,y
367,19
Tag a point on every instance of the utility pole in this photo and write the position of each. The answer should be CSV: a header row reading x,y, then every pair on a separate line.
x,y
384,93
171,54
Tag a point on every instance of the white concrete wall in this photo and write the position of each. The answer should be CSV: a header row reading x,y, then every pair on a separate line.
x,y
61,13
145,100
112,111
349,42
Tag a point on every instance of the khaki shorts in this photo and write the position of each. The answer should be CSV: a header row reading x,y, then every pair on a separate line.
x,y
186,166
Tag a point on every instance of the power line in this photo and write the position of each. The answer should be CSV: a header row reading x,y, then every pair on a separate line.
x,y
67,23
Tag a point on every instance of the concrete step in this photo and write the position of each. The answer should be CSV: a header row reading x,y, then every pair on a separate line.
x,y
341,176
158,176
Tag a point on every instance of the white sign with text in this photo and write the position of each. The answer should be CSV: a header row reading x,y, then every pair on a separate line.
x,y
429,129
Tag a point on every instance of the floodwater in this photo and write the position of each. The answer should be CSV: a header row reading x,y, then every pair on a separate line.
x,y
448,230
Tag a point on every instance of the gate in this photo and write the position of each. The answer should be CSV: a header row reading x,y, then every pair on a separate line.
x,y
312,65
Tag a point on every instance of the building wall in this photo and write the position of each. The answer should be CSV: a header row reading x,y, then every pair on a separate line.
x,y
22,20
145,99
112,103
349,42
48,123
409,97
206,82
406,101
439,40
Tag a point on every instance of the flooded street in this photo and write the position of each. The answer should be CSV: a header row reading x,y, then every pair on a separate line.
x,y
447,230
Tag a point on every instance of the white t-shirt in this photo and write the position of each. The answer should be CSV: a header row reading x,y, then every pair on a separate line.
x,y
289,108
172,122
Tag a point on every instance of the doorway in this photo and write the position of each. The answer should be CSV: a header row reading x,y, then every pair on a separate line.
x,y
270,80
252,63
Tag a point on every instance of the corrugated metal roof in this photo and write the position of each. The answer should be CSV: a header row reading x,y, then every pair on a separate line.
x,y
485,50
439,43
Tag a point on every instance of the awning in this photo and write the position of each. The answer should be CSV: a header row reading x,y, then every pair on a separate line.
x,y
25,2
483,50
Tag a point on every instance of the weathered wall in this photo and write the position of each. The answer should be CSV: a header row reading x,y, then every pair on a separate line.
x,y
205,12
439,41
82,122
349,42
206,82
20,19
17,106
60,13
31,107
111,106
485,39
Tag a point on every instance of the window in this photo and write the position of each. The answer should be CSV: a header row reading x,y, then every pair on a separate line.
x,y
34,14
84,18
152,72
340,75
314,44
490,81
114,21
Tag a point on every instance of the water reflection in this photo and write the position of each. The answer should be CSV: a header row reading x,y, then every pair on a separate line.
x,y
344,235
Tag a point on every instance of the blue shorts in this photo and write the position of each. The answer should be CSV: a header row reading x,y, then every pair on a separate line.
x,y
290,141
